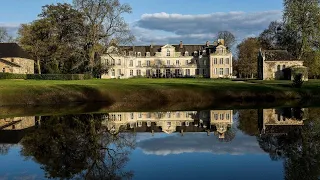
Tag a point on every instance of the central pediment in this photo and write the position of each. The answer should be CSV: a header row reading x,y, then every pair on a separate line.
x,y
168,46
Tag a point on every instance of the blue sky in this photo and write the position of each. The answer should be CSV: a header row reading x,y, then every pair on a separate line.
x,y
168,21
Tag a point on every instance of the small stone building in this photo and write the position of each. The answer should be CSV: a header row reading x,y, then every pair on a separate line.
x,y
279,65
13,59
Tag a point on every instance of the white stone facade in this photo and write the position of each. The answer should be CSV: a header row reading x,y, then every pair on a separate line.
x,y
169,61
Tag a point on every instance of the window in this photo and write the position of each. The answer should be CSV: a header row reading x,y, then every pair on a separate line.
x,y
216,116
149,123
131,63
113,72
186,53
131,53
204,62
197,71
3,70
140,115
138,72
168,115
149,115
113,62
187,62
12,60
215,61
119,72
148,63
124,53
140,124
187,123
168,62
119,61
168,52
188,72
221,60
221,116
139,54
119,117
168,124
177,114
139,63
107,62
131,115
131,72
177,62
221,71
148,54
278,68
227,116
148,72
216,70
227,71
227,61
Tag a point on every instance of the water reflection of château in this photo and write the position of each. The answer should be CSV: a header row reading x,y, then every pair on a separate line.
x,y
280,121
218,121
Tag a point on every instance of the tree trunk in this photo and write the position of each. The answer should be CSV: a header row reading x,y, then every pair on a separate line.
x,y
38,66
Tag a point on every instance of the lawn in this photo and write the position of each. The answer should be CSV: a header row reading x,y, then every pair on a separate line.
x,y
148,90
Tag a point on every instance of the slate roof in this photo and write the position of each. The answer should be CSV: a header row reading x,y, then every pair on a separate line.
x,y
8,50
278,55
157,48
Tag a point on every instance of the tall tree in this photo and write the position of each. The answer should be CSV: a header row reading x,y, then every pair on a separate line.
x,y
105,24
301,18
247,54
229,38
56,39
269,37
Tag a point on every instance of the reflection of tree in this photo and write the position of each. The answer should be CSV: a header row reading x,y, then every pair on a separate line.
x,y
299,148
4,148
78,147
248,121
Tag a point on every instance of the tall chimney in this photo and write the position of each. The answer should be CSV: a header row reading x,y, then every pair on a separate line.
x,y
181,45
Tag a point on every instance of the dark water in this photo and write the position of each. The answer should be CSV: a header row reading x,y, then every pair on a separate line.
x,y
280,143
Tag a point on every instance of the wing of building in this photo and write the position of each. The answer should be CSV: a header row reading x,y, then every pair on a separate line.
x,y
279,64
210,61
13,59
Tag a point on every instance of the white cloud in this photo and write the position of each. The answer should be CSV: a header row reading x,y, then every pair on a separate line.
x,y
200,28
199,142
12,28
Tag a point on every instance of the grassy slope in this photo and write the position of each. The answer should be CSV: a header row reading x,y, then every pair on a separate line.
x,y
146,91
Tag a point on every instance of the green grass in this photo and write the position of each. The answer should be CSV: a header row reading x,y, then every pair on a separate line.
x,y
145,91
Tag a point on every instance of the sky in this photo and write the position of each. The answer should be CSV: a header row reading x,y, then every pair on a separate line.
x,y
168,21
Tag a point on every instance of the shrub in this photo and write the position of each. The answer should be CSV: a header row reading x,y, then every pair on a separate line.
x,y
46,76
59,76
12,76
297,81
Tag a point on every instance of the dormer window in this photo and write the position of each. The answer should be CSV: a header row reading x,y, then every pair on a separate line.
x,y
186,53
168,52
124,53
139,54
148,54
130,53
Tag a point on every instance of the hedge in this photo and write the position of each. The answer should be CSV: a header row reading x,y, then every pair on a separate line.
x,y
46,76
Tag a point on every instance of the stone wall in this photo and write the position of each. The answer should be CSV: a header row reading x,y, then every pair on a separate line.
x,y
26,65
273,69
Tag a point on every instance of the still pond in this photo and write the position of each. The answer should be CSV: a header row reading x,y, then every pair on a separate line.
x,y
273,143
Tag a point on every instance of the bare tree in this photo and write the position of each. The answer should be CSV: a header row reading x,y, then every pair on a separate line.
x,y
105,24
4,36
229,38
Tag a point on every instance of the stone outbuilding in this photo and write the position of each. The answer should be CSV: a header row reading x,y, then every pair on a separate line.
x,y
13,59
279,65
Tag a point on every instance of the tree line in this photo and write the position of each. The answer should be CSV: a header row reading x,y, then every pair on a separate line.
x,y
298,33
69,38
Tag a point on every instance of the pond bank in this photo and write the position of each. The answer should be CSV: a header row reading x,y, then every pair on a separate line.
x,y
149,92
